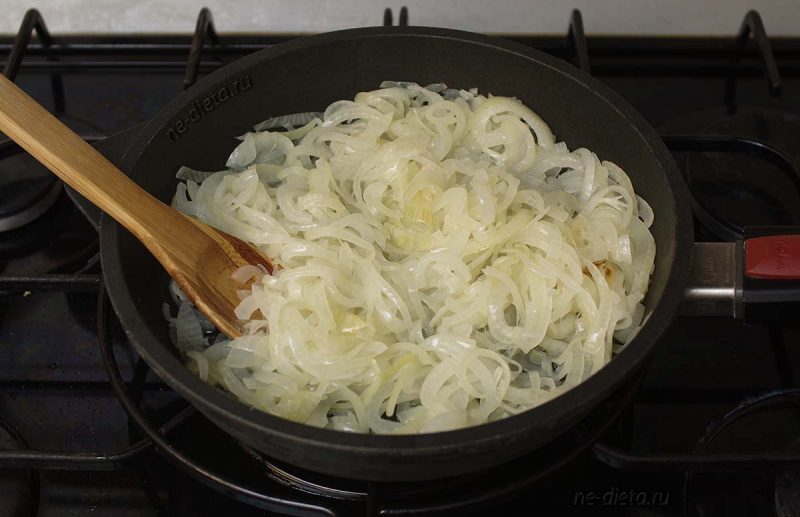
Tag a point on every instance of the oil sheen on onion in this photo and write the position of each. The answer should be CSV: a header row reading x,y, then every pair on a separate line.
x,y
442,261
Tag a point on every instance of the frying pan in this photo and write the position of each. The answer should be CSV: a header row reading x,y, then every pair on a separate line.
x,y
198,128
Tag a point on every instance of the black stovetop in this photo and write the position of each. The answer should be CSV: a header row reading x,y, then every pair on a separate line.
x,y
713,386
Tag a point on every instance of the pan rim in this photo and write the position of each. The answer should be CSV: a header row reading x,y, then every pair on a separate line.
x,y
588,393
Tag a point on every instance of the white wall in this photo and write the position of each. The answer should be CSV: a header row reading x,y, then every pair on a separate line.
x,y
672,17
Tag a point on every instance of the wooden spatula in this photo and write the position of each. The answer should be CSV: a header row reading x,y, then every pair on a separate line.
x,y
200,258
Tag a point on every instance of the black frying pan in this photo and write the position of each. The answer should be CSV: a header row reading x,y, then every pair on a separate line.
x,y
198,129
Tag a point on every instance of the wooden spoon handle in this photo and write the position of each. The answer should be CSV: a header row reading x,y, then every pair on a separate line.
x,y
79,164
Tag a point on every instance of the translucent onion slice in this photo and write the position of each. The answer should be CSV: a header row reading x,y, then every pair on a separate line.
x,y
442,262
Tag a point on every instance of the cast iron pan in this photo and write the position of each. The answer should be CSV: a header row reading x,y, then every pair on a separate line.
x,y
198,129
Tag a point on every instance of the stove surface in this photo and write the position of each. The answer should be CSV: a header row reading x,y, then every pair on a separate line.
x,y
713,386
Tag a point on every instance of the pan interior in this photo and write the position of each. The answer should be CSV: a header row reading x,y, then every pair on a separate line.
x,y
201,129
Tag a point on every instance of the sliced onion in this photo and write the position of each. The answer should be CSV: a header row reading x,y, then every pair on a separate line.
x,y
288,121
186,173
442,262
188,329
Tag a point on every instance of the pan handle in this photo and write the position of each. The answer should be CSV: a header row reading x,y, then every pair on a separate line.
x,y
757,279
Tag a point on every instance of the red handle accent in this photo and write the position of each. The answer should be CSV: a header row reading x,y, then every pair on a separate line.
x,y
775,257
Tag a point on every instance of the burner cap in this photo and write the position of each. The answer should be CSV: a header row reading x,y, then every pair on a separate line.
x,y
58,242
27,188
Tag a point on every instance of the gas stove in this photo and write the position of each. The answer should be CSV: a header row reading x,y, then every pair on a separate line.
x,y
85,428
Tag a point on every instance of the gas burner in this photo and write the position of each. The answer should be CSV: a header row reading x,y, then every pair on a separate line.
x,y
60,241
41,230
235,462
27,189
176,494
779,127
736,186
766,423
311,482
